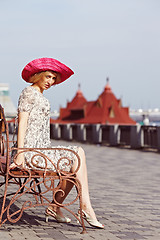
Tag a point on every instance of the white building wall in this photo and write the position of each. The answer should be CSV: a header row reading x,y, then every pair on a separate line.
x,y
6,102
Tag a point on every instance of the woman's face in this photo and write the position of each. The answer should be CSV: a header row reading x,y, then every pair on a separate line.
x,y
47,80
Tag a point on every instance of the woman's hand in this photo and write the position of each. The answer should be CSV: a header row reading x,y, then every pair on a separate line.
x,y
19,161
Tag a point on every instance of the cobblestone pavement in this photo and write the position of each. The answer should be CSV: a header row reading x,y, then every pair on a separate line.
x,y
125,193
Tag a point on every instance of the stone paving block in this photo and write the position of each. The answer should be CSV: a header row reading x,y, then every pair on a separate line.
x,y
129,235
52,238
154,237
43,236
5,235
17,236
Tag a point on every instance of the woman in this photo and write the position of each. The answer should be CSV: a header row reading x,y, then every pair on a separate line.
x,y
34,132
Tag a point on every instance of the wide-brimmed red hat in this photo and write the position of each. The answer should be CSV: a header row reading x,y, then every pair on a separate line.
x,y
46,64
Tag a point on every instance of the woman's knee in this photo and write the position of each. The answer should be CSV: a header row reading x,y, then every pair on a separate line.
x,y
82,159
81,152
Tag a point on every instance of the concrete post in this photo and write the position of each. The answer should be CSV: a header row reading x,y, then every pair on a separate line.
x,y
97,133
114,135
158,138
11,127
67,132
81,133
136,140
142,136
55,132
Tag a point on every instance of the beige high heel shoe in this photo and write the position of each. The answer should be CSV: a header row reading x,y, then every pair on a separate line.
x,y
59,219
91,221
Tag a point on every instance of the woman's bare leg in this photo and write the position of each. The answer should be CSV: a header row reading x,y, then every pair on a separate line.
x,y
82,176
66,187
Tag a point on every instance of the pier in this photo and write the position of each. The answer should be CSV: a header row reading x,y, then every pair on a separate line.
x,y
131,136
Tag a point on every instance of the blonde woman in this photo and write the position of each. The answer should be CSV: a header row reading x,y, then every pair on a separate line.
x,y
34,131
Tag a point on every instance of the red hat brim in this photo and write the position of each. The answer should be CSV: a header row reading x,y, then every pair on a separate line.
x,y
46,64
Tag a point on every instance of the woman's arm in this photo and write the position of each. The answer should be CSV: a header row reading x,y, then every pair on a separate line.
x,y
22,126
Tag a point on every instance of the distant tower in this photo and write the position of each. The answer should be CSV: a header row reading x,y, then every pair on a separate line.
x,y
6,102
107,79
79,86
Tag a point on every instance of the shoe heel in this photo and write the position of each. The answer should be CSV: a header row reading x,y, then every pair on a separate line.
x,y
78,215
47,217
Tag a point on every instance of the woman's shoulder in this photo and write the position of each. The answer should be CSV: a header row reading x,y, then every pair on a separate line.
x,y
28,91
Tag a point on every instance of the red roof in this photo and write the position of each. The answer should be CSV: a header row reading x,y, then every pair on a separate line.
x,y
77,102
107,109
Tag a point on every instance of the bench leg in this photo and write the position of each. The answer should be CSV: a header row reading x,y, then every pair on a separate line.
x,y
4,201
20,183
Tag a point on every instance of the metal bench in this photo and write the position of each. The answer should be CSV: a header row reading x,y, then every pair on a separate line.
x,y
38,186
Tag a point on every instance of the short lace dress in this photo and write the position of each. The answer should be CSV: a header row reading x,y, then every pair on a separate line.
x,y
38,133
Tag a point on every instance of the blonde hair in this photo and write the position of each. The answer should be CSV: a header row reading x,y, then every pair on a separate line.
x,y
37,76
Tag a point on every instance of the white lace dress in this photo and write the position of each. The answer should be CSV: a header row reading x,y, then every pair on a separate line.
x,y
38,132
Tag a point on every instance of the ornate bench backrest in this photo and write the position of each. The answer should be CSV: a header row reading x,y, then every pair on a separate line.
x,y
4,142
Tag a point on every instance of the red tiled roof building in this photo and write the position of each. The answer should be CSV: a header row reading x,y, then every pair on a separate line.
x,y
107,109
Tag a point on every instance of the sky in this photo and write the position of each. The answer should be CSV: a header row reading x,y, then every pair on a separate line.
x,y
119,39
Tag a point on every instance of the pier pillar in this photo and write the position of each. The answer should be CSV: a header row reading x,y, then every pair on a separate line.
x,y
97,133
55,132
114,135
158,138
136,140
81,133
67,132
